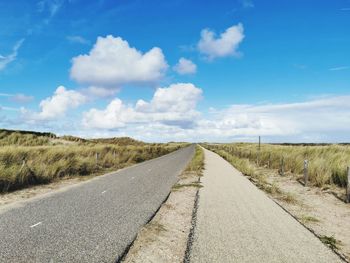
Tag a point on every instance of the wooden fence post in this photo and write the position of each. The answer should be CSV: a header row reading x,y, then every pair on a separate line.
x,y
306,172
97,155
348,186
282,166
269,161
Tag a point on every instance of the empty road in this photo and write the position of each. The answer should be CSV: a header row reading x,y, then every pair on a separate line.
x,y
237,222
94,221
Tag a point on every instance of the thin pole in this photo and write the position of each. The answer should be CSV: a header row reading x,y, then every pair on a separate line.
x,y
348,187
306,173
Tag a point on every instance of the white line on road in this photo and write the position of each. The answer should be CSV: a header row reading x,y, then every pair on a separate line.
x,y
104,191
35,225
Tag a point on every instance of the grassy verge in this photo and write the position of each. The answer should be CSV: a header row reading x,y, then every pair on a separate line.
x,y
197,163
327,163
195,167
30,165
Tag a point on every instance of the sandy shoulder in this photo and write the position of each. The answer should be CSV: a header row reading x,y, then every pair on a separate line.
x,y
164,238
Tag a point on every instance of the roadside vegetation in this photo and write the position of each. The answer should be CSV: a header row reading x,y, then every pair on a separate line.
x,y
327,163
29,158
197,163
193,169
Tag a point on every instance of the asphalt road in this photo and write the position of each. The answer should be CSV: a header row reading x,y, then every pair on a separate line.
x,y
237,222
94,221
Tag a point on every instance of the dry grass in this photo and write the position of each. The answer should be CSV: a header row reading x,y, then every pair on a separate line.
x,y
22,164
327,163
197,163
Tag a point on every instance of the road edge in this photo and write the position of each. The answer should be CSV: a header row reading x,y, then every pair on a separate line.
x,y
140,250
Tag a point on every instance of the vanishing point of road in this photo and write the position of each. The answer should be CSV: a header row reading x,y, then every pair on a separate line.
x,y
94,221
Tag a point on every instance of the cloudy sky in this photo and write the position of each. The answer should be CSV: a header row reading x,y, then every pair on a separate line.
x,y
177,70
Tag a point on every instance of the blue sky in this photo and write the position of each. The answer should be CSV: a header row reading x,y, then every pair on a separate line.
x,y
177,70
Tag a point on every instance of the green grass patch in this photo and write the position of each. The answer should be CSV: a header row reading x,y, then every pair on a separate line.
x,y
330,241
179,186
309,219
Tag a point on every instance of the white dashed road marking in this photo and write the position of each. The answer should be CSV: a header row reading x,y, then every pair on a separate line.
x,y
35,225
104,191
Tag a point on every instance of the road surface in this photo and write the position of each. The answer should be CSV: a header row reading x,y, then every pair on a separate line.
x,y
237,222
94,221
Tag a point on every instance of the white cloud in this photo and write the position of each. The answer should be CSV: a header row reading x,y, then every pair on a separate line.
x,y
114,116
60,103
112,62
5,60
224,45
173,106
78,39
322,118
185,66
56,106
319,120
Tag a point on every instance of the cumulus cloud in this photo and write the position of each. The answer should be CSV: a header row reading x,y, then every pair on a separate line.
x,y
112,62
5,60
172,114
324,119
185,66
55,106
114,116
174,106
225,45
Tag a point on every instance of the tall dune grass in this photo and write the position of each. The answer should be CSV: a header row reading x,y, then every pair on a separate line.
x,y
29,165
327,163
